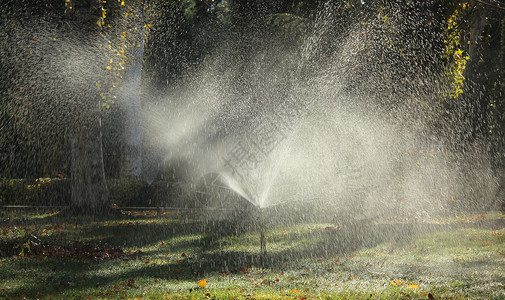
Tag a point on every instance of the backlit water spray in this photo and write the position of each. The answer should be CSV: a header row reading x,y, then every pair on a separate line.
x,y
340,118
341,126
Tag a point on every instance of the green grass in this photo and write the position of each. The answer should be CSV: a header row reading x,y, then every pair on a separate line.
x,y
452,258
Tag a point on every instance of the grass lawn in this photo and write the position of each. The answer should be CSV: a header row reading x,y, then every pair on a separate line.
x,y
150,256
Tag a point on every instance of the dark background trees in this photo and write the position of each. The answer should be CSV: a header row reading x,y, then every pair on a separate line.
x,y
44,45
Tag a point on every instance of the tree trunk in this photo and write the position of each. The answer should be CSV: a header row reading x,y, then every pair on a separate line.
x,y
89,189
478,21
131,99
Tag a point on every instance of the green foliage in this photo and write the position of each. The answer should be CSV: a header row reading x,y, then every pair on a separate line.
x,y
454,55
129,191
289,24
40,191
189,8
122,192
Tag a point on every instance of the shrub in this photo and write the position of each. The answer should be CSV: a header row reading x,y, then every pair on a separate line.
x,y
40,191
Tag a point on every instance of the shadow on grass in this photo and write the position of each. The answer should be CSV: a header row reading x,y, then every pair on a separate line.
x,y
34,277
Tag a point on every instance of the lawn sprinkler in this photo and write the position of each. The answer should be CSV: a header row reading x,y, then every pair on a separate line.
x,y
263,242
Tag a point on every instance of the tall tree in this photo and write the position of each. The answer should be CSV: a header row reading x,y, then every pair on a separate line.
x,y
89,189
132,165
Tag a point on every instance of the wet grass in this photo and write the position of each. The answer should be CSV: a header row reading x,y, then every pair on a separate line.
x,y
166,256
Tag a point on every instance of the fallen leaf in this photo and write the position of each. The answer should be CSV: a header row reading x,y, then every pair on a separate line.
x,y
413,286
177,271
130,282
336,259
393,282
242,269
202,283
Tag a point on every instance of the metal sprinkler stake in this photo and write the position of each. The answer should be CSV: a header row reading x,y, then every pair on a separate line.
x,y
263,245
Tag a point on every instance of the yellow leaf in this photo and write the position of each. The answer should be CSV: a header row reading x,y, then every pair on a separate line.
x,y
202,283
413,286
399,282
393,283
108,67
111,60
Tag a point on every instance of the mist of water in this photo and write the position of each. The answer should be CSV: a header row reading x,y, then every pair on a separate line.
x,y
293,129
349,129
